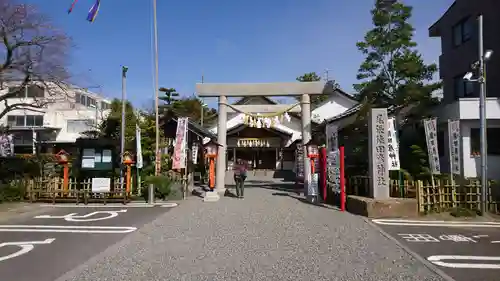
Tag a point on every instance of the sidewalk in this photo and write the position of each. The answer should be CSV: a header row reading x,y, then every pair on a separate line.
x,y
266,236
16,210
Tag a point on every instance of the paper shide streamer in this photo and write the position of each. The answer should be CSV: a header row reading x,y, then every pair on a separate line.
x,y
92,12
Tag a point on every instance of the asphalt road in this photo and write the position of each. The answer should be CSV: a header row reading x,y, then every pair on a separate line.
x,y
64,243
472,251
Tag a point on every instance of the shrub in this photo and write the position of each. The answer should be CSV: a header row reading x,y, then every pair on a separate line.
x,y
162,184
13,191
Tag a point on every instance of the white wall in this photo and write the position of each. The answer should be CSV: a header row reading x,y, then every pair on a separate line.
x,y
471,165
467,110
335,105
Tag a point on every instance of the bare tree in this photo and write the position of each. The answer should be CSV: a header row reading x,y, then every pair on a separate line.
x,y
32,51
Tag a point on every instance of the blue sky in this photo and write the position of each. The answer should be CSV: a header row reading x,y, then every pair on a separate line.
x,y
227,41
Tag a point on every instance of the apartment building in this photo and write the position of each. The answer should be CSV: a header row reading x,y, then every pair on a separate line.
x,y
458,30
65,114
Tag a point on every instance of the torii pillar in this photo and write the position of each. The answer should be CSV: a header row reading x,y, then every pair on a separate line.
x,y
220,170
223,91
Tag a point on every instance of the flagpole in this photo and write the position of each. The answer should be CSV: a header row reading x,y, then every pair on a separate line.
x,y
157,114
138,162
123,124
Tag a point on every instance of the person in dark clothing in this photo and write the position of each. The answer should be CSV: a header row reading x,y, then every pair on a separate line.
x,y
240,174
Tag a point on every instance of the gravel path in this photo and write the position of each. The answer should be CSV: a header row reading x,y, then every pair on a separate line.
x,y
262,237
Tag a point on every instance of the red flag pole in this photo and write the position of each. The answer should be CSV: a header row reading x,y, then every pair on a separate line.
x,y
342,179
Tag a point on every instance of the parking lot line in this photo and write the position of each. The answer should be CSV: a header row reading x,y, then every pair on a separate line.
x,y
438,260
130,205
68,229
400,222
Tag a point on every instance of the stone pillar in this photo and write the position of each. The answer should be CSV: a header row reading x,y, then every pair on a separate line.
x,y
305,105
220,173
378,154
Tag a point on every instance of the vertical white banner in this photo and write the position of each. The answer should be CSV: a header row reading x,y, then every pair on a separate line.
x,y
35,142
138,147
430,126
194,151
392,145
454,137
299,161
179,159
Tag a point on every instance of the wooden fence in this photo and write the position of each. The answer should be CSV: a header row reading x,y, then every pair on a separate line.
x,y
441,196
80,192
360,185
52,190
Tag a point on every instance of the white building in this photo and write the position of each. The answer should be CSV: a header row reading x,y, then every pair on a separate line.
x,y
457,30
274,148
65,114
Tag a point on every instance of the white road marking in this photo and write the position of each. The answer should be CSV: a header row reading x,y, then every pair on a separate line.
x,y
25,247
84,218
437,260
168,205
130,205
68,229
436,223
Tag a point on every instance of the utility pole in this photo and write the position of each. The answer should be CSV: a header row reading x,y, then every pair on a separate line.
x,y
122,135
157,113
480,65
482,118
202,104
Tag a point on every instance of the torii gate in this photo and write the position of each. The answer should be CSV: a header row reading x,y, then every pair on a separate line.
x,y
225,90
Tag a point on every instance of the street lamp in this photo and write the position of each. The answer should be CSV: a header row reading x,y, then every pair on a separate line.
x,y
203,105
211,151
484,57
312,149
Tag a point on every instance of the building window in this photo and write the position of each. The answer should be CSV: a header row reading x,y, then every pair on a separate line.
x,y
462,88
105,105
91,102
85,100
79,126
462,32
440,142
25,120
31,91
35,91
492,134
17,92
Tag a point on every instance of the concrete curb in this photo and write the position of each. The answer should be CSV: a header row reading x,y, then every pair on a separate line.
x,y
429,265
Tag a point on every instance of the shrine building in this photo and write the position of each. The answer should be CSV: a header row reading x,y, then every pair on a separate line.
x,y
267,140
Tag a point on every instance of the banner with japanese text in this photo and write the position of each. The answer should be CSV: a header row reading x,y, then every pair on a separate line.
x,y
179,157
430,126
454,137
392,145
